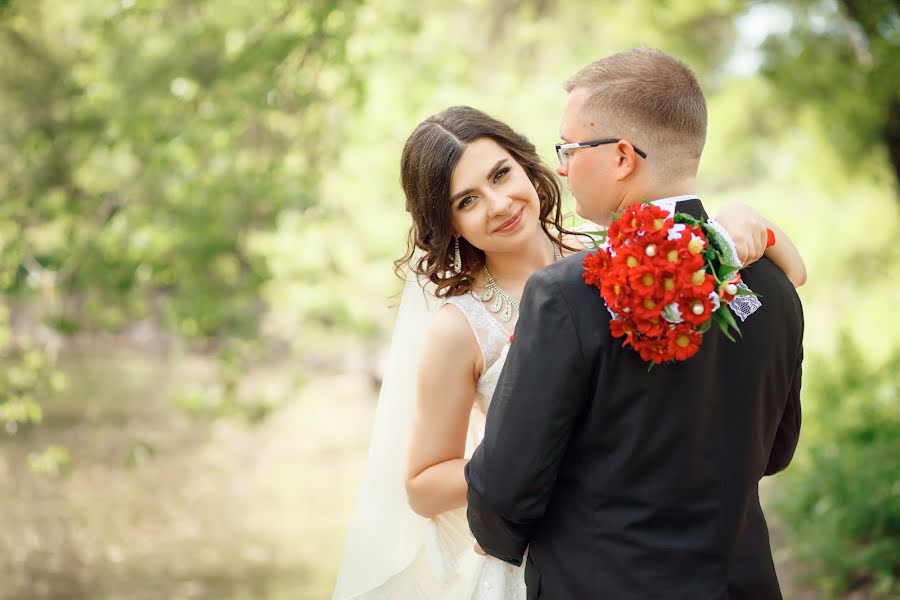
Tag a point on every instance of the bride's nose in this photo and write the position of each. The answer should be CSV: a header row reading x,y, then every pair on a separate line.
x,y
500,204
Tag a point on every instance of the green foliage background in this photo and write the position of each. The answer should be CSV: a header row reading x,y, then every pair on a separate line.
x,y
225,176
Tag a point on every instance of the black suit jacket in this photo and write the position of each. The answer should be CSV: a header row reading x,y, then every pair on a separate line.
x,y
628,484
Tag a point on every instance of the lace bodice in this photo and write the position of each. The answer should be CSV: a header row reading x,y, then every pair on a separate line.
x,y
493,340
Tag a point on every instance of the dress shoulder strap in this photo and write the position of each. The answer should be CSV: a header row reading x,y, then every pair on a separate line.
x,y
488,331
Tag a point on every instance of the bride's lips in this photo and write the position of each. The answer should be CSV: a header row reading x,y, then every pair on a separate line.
x,y
511,224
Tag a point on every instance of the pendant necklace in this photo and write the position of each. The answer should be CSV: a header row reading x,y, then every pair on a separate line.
x,y
503,302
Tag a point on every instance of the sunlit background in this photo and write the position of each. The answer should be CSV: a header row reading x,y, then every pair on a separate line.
x,y
200,205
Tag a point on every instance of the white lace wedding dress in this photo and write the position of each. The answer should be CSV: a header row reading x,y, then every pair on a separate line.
x,y
493,579
430,559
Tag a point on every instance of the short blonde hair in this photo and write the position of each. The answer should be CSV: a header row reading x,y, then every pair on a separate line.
x,y
651,99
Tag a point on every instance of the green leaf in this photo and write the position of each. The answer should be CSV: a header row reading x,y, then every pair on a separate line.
x,y
598,238
730,267
746,292
723,325
687,219
728,318
725,270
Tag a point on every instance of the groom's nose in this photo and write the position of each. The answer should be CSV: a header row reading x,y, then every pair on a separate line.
x,y
562,170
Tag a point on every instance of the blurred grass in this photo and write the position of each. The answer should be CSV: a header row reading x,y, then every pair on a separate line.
x,y
841,499
230,510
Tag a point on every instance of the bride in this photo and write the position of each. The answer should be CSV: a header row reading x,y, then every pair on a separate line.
x,y
486,215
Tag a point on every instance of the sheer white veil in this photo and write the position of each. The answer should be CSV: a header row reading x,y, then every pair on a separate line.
x,y
385,535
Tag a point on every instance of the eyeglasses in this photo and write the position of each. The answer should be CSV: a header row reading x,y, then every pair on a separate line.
x,y
562,150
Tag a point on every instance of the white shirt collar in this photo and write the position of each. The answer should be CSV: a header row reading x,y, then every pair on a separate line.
x,y
674,199
668,204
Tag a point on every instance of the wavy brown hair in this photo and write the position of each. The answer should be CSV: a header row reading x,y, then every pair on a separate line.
x,y
429,157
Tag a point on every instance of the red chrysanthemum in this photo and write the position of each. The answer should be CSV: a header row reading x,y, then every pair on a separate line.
x,y
646,282
620,328
594,265
696,310
684,342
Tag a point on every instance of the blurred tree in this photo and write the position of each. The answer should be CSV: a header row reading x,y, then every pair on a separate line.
x,y
144,142
834,55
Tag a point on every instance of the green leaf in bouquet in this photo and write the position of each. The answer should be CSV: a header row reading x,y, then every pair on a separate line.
x,y
711,269
728,318
705,327
686,219
723,324
742,291
726,269
598,238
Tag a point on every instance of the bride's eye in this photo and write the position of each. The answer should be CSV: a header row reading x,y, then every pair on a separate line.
x,y
500,174
465,202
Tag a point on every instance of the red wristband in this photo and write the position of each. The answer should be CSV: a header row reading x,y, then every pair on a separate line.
x,y
770,238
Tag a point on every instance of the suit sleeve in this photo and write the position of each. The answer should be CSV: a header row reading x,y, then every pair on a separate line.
x,y
788,434
540,393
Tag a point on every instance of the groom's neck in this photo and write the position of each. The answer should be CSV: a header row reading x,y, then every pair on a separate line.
x,y
656,191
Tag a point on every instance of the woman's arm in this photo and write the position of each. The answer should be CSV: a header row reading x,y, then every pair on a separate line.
x,y
435,481
748,230
786,256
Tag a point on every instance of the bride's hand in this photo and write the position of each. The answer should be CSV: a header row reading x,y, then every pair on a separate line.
x,y
748,230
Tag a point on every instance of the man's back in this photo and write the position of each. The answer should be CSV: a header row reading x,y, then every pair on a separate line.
x,y
656,495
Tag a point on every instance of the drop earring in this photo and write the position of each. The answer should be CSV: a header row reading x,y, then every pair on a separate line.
x,y
457,259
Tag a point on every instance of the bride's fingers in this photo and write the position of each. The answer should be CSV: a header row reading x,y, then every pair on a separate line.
x,y
763,241
743,251
753,246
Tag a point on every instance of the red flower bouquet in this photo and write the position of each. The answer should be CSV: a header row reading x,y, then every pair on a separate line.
x,y
666,279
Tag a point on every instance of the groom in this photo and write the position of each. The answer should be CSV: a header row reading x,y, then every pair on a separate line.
x,y
622,483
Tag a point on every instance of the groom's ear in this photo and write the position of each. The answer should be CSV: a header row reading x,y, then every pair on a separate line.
x,y
626,159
